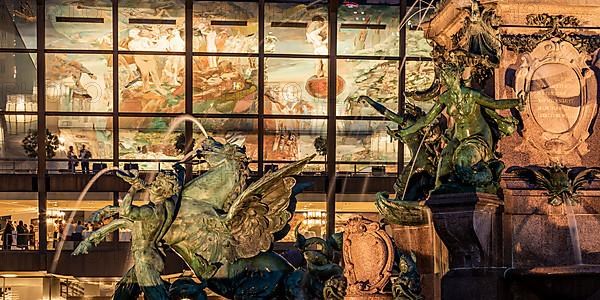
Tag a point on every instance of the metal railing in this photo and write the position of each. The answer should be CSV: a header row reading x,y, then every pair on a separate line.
x,y
19,241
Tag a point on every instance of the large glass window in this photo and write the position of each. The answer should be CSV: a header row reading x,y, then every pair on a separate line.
x,y
121,104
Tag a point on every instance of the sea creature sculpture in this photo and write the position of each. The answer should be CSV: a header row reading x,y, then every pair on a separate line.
x,y
562,184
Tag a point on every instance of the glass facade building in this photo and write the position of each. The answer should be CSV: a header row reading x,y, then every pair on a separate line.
x,y
281,78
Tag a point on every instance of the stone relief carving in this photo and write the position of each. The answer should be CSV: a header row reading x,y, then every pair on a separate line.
x,y
365,242
522,43
562,100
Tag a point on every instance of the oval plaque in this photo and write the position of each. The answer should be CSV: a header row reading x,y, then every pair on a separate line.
x,y
555,97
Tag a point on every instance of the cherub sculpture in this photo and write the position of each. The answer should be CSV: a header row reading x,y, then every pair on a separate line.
x,y
148,224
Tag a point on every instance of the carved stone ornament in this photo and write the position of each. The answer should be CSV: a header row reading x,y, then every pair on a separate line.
x,y
368,257
522,43
562,100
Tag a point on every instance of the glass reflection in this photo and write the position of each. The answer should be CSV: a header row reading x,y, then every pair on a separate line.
x,y
293,139
293,88
376,78
225,26
225,84
420,76
79,82
364,143
18,24
18,84
368,30
13,129
79,24
151,83
296,28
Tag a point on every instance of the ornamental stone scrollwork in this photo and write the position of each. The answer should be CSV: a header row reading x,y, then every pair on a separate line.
x,y
523,43
562,100
368,258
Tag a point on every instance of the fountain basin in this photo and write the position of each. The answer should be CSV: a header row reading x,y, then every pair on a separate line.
x,y
576,282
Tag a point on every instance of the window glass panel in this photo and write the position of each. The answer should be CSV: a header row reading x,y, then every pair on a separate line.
x,y
296,28
13,129
151,83
152,25
14,208
93,132
79,25
18,81
368,30
377,79
420,76
226,26
294,139
79,82
225,84
146,141
364,144
293,88
64,207
18,24
416,44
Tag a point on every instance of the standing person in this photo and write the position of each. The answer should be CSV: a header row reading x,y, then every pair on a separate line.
x,y
84,156
72,159
77,234
7,239
31,237
21,235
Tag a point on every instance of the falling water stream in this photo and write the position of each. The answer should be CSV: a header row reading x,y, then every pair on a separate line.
x,y
574,233
63,235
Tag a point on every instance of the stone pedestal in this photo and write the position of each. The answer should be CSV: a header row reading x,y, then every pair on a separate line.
x,y
431,254
470,225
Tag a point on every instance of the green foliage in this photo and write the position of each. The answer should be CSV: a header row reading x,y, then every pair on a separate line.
x,y
30,144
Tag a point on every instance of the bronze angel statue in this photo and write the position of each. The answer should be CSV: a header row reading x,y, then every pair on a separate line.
x,y
219,225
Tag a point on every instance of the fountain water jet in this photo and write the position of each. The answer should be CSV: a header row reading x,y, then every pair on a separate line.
x,y
63,235
574,233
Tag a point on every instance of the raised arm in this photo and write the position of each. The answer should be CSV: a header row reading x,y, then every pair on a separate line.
x,y
127,209
387,113
97,236
491,103
435,111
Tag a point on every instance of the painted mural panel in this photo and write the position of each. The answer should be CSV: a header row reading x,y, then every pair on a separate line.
x,y
368,30
225,84
225,26
79,82
85,25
